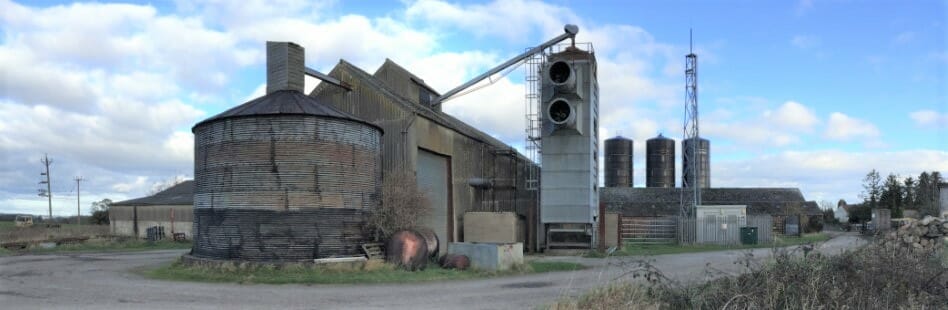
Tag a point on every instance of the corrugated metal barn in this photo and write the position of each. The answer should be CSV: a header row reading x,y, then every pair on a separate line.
x,y
170,208
656,201
442,151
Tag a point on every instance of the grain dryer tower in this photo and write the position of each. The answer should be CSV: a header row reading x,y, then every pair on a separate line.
x,y
569,196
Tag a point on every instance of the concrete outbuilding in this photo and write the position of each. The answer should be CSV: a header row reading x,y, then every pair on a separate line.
x,y
171,208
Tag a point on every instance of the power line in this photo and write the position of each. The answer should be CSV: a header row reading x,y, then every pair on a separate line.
x,y
78,210
48,193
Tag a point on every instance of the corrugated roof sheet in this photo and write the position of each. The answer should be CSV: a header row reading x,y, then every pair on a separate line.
x,y
654,201
179,194
435,116
284,102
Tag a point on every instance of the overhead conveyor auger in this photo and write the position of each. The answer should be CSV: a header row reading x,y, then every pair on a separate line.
x,y
569,32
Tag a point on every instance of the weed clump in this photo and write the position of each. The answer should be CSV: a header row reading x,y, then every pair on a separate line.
x,y
874,277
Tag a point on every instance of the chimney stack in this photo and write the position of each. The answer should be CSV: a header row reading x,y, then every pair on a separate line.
x,y
285,66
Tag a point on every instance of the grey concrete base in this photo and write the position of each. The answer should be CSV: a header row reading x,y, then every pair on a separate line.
x,y
490,256
493,227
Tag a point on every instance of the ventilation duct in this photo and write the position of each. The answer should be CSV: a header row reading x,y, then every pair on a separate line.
x,y
562,76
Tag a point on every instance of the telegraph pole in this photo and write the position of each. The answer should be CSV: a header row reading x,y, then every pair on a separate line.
x,y
78,212
48,193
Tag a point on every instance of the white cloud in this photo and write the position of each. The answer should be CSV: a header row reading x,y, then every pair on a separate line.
x,y
781,127
803,6
834,173
843,127
805,41
793,116
519,18
904,37
138,184
930,118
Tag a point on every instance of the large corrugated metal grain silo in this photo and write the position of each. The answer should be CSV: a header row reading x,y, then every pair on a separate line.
x,y
618,162
660,162
702,159
284,177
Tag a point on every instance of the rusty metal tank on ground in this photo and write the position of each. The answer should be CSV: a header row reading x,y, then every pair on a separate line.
x,y
660,162
618,162
284,177
702,159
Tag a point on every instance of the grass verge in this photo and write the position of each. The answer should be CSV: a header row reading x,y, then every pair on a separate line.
x,y
869,278
660,249
102,245
372,272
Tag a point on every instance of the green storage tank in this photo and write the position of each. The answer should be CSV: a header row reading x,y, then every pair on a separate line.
x,y
748,235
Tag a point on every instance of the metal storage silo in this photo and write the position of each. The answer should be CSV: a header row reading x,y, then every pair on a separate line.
x,y
702,160
618,162
284,177
660,162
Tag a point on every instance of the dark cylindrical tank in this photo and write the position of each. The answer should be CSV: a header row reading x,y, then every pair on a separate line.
x,y
660,162
701,159
284,178
618,162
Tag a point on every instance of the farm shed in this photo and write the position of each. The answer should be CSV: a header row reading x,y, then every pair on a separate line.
x,y
651,213
445,154
171,208
657,201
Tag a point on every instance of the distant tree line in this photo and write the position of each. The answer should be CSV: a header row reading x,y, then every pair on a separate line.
x,y
899,195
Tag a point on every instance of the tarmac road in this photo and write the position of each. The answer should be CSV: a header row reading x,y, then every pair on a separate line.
x,y
106,281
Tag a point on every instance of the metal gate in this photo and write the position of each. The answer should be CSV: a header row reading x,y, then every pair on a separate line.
x,y
649,230
433,177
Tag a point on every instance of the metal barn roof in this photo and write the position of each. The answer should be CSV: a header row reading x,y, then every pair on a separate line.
x,y
284,102
655,201
179,194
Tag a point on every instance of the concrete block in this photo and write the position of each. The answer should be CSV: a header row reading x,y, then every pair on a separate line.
x,y
489,256
612,230
496,227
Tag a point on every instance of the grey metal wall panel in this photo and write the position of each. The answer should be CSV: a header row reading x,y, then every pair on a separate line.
x,y
569,182
433,180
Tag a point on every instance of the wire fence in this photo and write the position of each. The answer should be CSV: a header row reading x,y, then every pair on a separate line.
x,y
725,230
720,230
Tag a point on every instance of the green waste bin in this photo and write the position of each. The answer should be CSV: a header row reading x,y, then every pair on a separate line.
x,y
748,235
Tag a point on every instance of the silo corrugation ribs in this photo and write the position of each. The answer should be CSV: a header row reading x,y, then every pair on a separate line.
x,y
618,159
660,162
704,163
269,235
284,187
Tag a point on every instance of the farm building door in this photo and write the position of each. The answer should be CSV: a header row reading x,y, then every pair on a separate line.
x,y
433,178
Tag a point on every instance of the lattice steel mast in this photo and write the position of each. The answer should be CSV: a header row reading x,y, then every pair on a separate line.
x,y
690,135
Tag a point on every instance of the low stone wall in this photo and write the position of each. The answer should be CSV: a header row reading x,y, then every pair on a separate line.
x,y
928,233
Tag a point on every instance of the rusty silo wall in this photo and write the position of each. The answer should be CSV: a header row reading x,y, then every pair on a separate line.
x,y
702,160
660,162
284,187
618,162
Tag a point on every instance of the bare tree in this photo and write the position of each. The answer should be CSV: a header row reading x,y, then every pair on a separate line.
x,y
404,205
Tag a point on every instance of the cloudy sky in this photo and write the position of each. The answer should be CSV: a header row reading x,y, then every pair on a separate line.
x,y
809,94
